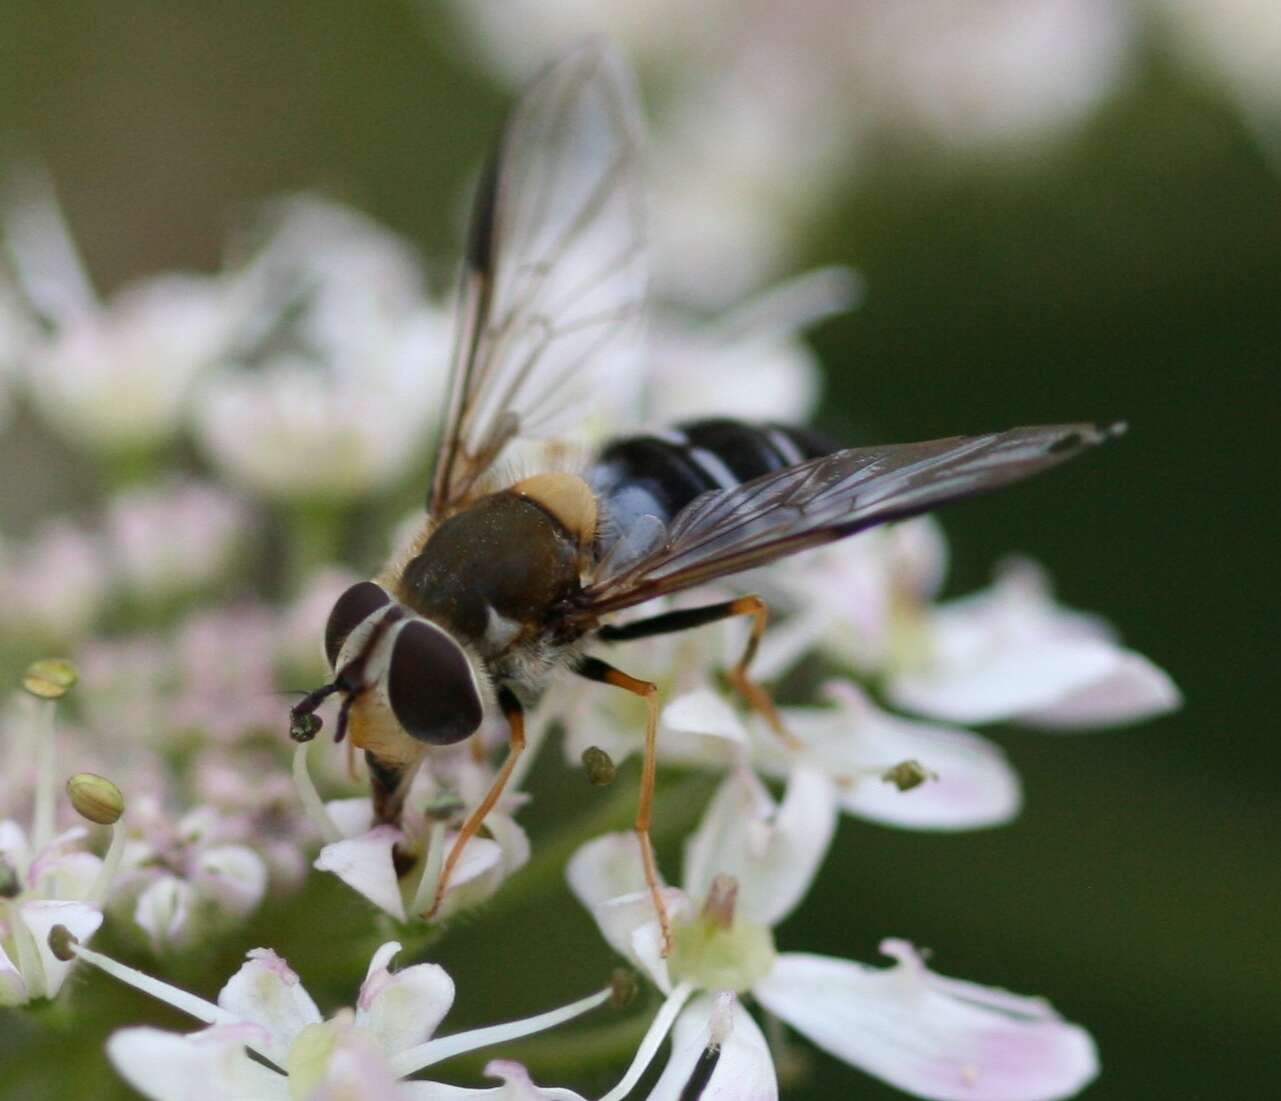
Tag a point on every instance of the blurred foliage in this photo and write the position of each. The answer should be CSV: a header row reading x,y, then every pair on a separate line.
x,y
1133,272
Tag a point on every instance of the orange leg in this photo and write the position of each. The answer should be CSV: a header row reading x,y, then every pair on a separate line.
x,y
597,670
515,715
688,618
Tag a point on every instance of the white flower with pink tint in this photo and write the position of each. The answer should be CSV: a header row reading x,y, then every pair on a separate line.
x,y
170,540
267,1040
398,869
1011,653
54,584
747,866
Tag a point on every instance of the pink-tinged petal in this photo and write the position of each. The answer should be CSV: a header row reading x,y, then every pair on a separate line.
x,y
403,1008
40,917
210,1065
1137,689
971,783
1023,676
927,1035
356,1070
267,993
477,875
233,875
13,990
743,1070
773,851
364,863
163,910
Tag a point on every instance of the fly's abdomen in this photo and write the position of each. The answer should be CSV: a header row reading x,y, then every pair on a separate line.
x,y
659,474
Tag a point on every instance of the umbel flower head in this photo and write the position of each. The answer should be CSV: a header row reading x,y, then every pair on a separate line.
x,y
747,866
267,1041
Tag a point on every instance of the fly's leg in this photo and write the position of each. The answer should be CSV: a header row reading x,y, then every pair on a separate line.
x,y
597,670
515,715
689,618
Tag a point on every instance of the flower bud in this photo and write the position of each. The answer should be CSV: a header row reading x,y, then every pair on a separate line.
x,y
907,775
95,798
50,678
599,766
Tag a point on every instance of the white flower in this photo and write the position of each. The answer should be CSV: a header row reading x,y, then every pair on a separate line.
x,y
47,879
1011,653
55,584
370,858
166,541
264,1009
114,375
753,861
349,362
982,72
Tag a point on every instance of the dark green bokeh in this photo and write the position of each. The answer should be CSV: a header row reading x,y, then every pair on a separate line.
x,y
1135,272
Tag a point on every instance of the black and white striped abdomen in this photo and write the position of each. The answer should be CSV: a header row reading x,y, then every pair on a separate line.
x,y
659,474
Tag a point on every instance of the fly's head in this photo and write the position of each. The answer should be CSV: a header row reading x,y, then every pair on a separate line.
x,y
396,672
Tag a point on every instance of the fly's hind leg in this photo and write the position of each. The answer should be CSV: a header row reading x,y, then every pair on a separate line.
x,y
689,618
603,673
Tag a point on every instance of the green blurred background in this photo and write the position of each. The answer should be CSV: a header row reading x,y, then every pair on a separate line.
x,y
1133,271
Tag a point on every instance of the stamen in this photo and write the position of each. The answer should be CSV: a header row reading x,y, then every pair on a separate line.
x,y
654,1037
188,1003
97,895
46,784
432,865
425,1055
721,898
312,804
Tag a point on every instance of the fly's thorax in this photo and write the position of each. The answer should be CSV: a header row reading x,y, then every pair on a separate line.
x,y
495,573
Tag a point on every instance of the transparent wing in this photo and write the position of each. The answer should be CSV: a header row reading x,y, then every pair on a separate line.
x,y
554,278
729,530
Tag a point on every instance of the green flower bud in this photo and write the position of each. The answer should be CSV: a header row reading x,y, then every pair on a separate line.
x,y
95,798
50,678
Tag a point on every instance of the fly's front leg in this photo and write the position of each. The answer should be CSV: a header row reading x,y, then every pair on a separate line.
x,y
597,670
689,618
515,715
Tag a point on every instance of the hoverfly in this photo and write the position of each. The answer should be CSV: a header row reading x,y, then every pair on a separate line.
x,y
509,584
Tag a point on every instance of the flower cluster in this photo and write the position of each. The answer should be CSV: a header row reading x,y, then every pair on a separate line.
x,y
236,415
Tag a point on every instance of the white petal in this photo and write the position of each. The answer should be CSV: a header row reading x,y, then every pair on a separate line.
x,y
973,783
703,711
1025,676
266,992
364,863
517,1086
210,1065
607,876
1137,689
163,910
928,1035
743,1071
234,875
403,1008
774,852
606,867
13,990
352,816
40,916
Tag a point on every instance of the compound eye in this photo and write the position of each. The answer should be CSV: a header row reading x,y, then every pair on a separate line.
x,y
431,687
351,610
